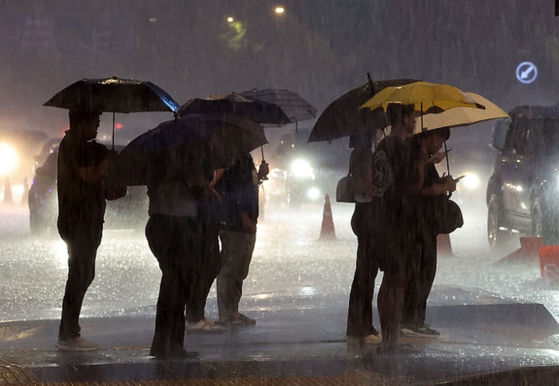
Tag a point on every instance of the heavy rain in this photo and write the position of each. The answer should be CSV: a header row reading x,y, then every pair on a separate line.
x,y
495,294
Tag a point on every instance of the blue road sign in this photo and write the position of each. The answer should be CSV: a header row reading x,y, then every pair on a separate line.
x,y
526,72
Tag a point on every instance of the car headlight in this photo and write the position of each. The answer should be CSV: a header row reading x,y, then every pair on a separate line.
x,y
470,181
313,193
301,168
9,159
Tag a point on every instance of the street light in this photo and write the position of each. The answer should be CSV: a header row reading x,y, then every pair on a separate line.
x,y
279,10
230,19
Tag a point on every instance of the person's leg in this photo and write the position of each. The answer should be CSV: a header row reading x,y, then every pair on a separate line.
x,y
82,251
360,309
236,254
205,250
164,239
391,293
412,296
427,275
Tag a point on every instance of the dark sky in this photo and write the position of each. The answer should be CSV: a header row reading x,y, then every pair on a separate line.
x,y
317,48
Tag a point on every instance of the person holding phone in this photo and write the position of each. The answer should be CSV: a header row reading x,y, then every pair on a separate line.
x,y
425,149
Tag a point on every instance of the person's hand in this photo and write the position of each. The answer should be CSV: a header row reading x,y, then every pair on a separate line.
x,y
449,183
436,158
263,170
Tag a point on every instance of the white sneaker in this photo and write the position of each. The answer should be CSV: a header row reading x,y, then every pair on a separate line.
x,y
372,339
205,326
76,344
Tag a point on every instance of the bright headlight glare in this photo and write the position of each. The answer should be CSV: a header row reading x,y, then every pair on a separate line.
x,y
313,193
471,181
9,159
301,168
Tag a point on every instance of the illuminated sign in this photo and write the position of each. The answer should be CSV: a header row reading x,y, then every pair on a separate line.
x,y
526,72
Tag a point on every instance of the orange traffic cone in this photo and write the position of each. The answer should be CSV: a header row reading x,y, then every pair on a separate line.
x,y
444,248
529,251
327,231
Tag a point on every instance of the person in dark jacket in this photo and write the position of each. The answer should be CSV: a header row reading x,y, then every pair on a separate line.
x,y
360,327
82,167
177,236
425,146
238,187
395,178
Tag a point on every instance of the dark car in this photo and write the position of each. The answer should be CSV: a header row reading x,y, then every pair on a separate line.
x,y
131,211
522,193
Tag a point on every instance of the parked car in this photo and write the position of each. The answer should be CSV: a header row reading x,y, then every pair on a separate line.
x,y
131,211
523,191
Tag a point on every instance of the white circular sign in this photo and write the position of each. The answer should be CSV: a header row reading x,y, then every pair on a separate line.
x,y
526,72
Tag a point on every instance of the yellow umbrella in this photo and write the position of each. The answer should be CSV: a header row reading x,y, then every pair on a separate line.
x,y
461,116
426,97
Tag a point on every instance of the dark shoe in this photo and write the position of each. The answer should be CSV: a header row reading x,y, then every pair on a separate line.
x,y
76,344
423,331
174,354
426,330
238,320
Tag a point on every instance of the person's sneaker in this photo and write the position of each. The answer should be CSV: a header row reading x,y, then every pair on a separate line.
x,y
372,339
76,344
205,326
426,330
238,320
418,332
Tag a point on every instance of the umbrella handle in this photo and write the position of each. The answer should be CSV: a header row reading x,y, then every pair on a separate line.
x,y
447,164
262,150
113,136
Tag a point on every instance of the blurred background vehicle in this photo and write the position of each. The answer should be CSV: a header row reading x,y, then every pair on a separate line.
x,y
17,149
523,191
302,173
131,211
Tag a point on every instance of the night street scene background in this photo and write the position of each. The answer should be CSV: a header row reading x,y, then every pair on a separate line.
x,y
319,49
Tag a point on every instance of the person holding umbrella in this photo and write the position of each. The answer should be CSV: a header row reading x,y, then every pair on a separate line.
x,y
425,146
360,310
82,167
177,192
395,178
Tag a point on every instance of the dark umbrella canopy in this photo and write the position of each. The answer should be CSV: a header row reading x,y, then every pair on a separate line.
x,y
113,95
295,107
236,104
343,117
222,138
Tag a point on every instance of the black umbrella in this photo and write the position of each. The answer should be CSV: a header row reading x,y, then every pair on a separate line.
x,y
113,95
343,117
221,138
295,107
236,104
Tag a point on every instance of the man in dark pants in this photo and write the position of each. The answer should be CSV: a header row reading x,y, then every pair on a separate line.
x,y
82,166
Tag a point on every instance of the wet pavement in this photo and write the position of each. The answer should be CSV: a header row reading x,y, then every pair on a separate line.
x,y
484,339
498,322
